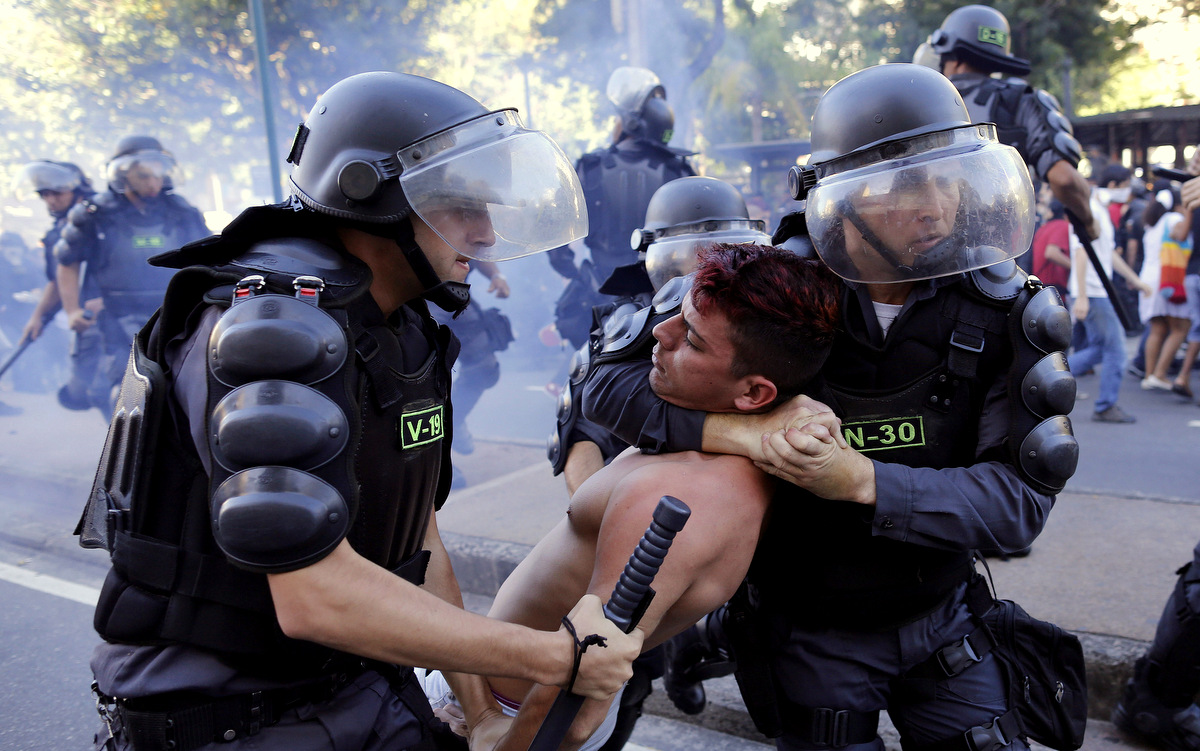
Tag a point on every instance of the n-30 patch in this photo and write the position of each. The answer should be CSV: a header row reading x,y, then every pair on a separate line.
x,y
889,433
421,427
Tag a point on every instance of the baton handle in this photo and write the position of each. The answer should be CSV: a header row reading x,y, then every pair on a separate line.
x,y
1081,232
16,352
623,607
634,585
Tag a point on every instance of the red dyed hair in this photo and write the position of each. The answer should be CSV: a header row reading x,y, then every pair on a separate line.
x,y
783,310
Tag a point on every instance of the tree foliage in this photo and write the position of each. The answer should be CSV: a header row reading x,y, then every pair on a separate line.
x,y
77,75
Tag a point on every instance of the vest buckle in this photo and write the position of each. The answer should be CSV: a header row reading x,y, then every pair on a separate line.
x,y
309,288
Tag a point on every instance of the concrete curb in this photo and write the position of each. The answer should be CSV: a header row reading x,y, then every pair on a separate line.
x,y
482,565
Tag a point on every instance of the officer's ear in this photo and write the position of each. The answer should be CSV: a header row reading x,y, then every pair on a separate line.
x,y
757,393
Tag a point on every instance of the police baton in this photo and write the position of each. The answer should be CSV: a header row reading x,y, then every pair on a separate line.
x,y
12,356
628,604
1082,233
26,341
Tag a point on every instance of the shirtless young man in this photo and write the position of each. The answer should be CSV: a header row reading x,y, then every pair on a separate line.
x,y
753,331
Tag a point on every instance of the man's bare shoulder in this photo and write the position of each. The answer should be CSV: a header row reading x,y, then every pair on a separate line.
x,y
691,474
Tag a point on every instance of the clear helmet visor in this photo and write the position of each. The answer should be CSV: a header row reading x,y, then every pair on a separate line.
x,y
40,176
494,190
629,88
672,256
927,56
157,165
954,201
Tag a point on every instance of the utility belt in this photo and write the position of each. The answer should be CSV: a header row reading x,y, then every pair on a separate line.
x,y
184,720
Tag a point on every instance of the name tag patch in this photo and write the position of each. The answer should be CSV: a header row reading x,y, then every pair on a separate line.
x,y
889,433
149,241
421,427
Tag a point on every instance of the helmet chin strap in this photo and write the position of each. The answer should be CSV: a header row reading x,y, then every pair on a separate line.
x,y
452,297
929,258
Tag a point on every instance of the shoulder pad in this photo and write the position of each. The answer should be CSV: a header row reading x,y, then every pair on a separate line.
x,y
1066,144
300,256
568,411
1061,135
1001,282
80,213
1046,322
276,423
275,337
580,365
1049,454
669,298
103,200
1048,388
627,327
276,519
1047,100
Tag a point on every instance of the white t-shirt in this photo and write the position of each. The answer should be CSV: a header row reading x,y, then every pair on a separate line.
x,y
886,313
1103,245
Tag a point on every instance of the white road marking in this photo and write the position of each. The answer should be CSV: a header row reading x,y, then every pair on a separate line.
x,y
51,585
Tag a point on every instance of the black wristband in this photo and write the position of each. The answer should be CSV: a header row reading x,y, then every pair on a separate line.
x,y
581,646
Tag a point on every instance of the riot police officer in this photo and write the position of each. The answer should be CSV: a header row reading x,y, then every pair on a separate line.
x,y
861,581
973,43
281,441
62,185
114,234
618,181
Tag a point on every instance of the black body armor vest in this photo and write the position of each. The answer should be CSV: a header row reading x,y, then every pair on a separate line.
x,y
150,505
916,401
617,184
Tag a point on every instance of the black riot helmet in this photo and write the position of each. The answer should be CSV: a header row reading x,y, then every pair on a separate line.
x,y
380,147
688,214
978,35
901,186
641,103
139,150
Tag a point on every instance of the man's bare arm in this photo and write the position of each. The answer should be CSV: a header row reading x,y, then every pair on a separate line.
x,y
471,691
707,560
68,291
819,466
346,602
1073,191
1057,256
742,434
